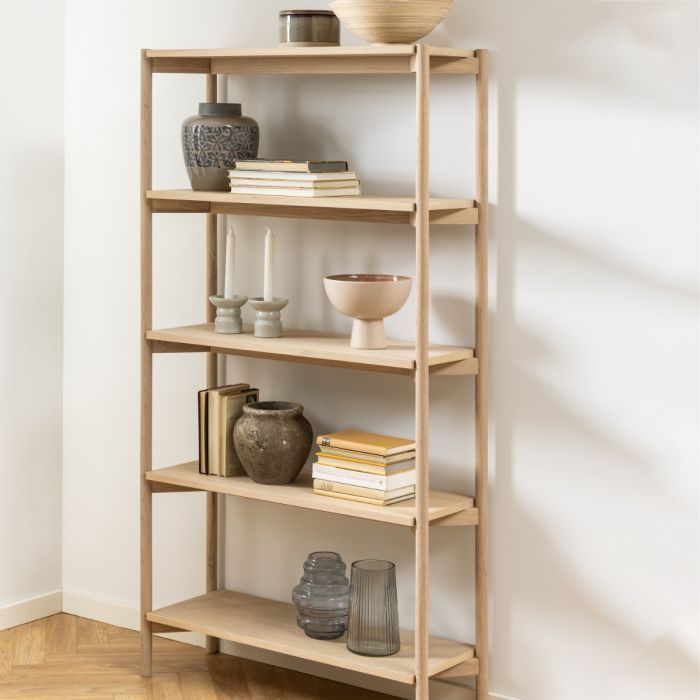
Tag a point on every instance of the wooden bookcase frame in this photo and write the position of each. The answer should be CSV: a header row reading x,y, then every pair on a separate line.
x,y
245,619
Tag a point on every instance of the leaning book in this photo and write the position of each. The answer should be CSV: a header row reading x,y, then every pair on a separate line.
x,y
213,411
203,428
207,414
230,410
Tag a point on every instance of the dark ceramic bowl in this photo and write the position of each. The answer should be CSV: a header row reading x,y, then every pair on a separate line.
x,y
309,28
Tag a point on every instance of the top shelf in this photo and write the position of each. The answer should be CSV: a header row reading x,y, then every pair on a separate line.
x,y
333,60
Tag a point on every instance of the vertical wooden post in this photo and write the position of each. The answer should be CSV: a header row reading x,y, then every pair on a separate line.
x,y
481,383
422,397
146,363
212,643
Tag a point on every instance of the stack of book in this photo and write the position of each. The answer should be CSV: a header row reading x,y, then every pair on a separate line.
x,y
376,469
219,409
294,178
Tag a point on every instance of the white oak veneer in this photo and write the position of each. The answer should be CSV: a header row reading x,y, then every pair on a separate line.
x,y
317,348
268,624
329,60
359,209
299,494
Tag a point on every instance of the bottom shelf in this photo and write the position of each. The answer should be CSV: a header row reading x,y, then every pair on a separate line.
x,y
267,624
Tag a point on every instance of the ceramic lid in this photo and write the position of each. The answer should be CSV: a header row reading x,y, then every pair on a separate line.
x,y
283,13
219,109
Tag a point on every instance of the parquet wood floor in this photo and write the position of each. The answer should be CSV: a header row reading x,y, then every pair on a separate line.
x,y
64,656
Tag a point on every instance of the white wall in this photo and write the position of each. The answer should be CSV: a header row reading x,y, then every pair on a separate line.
x,y
31,289
594,517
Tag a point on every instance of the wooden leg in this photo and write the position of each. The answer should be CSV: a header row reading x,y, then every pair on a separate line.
x,y
422,396
146,367
212,550
146,580
212,643
481,386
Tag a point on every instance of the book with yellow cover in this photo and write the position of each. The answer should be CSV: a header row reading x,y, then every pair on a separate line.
x,y
325,485
362,499
213,445
338,452
363,466
371,443
230,410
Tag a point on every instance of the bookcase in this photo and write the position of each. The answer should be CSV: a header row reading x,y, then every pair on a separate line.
x,y
267,624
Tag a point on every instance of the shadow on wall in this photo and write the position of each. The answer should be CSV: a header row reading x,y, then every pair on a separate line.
x,y
548,43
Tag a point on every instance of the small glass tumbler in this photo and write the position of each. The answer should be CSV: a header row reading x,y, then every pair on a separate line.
x,y
322,596
373,621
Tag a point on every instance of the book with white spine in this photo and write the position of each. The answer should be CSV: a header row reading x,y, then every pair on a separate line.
x,y
347,489
296,192
379,482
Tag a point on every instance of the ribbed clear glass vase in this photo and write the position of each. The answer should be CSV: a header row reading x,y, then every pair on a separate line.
x,y
373,621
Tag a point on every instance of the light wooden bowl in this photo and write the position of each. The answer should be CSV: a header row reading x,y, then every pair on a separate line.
x,y
391,21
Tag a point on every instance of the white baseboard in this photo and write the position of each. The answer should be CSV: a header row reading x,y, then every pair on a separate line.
x,y
29,610
115,612
122,614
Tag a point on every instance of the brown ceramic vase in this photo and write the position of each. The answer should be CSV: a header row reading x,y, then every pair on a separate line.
x,y
273,441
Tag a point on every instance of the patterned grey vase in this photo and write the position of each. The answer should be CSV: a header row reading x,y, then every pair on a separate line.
x,y
213,140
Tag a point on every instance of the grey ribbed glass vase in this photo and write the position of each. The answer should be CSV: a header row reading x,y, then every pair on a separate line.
x,y
322,596
373,620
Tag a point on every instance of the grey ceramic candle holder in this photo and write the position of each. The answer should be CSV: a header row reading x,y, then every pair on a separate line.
x,y
268,323
228,313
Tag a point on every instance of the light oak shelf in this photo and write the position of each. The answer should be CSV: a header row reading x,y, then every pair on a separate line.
x,y
331,60
314,348
443,508
368,209
263,623
270,625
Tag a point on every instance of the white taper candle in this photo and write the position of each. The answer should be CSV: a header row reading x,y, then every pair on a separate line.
x,y
230,264
268,283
